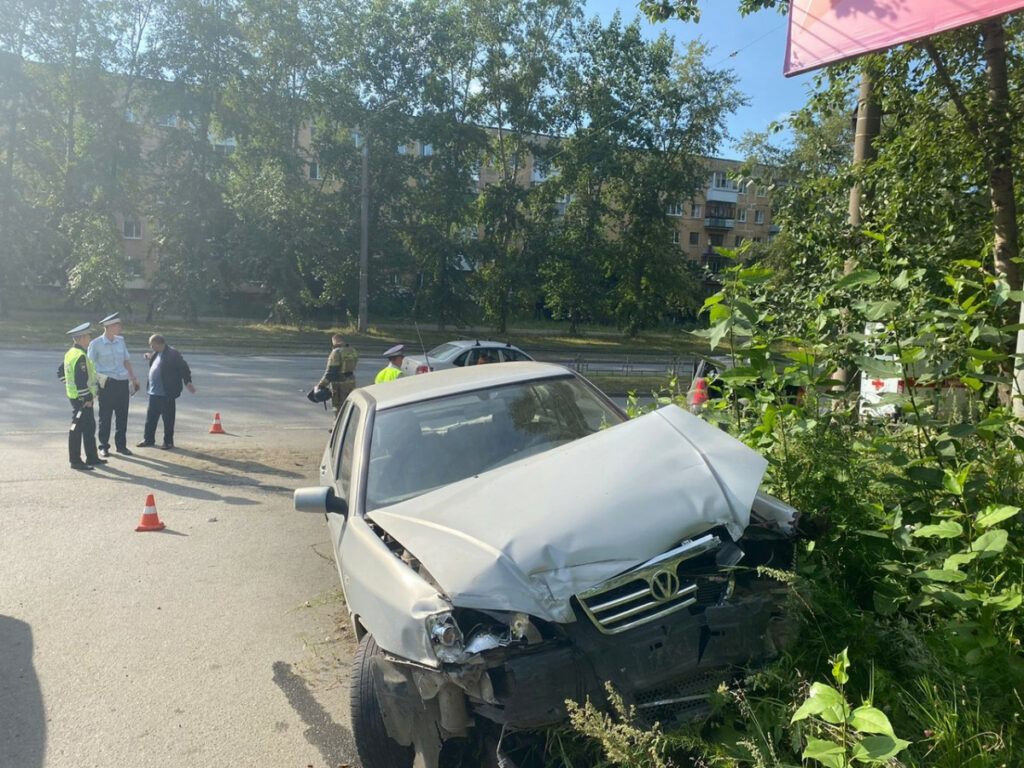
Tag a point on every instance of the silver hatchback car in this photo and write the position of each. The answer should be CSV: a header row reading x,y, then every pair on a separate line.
x,y
507,539
463,352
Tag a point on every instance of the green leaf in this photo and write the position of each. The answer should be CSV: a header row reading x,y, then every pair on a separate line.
x,y
953,562
877,310
944,576
947,529
952,483
825,752
883,369
994,514
871,720
825,702
840,667
878,749
928,476
990,543
1009,600
862,277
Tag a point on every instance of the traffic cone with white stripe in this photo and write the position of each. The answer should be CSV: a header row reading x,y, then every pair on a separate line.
x,y
217,429
150,519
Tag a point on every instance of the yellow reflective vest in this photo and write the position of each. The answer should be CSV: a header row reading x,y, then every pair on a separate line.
x,y
70,363
388,374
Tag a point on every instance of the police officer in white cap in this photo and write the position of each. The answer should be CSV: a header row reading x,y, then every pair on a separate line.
x,y
393,370
117,382
80,383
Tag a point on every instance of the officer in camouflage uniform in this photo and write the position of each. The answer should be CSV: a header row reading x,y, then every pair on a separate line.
x,y
340,374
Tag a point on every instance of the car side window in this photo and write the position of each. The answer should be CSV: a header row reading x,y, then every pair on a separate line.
x,y
347,451
461,359
511,355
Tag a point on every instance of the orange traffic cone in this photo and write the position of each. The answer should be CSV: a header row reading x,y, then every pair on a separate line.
x,y
217,429
150,519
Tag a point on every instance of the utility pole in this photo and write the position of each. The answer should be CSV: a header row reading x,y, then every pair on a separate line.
x,y
364,247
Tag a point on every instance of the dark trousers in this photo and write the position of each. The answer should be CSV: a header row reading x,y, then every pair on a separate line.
x,y
114,402
160,406
83,431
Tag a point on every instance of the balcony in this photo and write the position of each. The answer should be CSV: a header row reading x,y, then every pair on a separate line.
x,y
720,195
714,222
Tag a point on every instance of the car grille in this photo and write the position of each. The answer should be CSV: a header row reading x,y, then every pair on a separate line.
x,y
683,700
657,588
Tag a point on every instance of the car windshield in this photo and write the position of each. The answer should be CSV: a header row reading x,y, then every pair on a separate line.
x,y
422,446
443,351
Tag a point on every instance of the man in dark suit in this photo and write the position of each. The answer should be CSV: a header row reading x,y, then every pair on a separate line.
x,y
168,373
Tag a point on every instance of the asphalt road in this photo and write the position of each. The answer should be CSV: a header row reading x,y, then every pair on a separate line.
x,y
221,640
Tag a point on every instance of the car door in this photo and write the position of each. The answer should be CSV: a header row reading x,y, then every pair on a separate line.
x,y
343,455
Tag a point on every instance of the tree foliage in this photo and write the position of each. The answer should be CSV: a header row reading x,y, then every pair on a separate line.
x,y
237,130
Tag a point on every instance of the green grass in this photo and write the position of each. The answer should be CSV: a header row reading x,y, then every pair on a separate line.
x,y
37,328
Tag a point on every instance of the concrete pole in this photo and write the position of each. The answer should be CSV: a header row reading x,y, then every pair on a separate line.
x,y
867,126
364,248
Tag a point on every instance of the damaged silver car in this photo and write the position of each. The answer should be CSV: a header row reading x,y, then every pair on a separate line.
x,y
508,539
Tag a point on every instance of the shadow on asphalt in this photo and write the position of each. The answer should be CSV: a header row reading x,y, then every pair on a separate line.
x,y
22,718
333,741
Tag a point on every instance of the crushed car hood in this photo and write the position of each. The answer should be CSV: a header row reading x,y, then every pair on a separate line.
x,y
529,535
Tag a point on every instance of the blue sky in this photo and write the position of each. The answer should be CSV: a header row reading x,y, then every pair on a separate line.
x,y
754,47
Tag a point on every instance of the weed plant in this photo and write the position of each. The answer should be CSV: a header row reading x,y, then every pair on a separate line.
x,y
908,587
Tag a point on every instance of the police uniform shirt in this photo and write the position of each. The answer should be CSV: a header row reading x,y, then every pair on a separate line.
x,y
109,357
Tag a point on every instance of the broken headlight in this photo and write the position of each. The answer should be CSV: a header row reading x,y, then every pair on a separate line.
x,y
445,637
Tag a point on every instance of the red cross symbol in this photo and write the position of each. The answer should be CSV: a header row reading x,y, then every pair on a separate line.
x,y
877,384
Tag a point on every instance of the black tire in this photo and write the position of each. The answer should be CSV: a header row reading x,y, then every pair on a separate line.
x,y
376,749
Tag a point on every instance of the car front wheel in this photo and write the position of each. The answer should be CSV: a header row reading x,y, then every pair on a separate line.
x,y
376,749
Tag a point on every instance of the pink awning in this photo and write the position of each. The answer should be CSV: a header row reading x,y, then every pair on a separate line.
x,y
825,31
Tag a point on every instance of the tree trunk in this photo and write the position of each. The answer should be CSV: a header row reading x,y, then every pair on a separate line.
x,y
1000,178
1000,170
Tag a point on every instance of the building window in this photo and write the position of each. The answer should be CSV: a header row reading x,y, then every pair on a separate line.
x,y
675,209
539,173
401,149
695,238
131,229
759,217
756,239
716,239
357,139
696,212
675,238
314,172
739,240
743,187
721,180
426,150
742,215
762,191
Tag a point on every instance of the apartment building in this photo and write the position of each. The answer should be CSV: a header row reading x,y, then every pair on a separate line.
x,y
727,212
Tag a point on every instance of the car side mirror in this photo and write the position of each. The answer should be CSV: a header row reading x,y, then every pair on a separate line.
x,y
319,499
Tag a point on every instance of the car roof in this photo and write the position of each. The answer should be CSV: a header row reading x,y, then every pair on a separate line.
x,y
413,389
466,343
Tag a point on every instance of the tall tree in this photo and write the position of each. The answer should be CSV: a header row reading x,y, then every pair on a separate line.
x,y
524,51
198,44
643,118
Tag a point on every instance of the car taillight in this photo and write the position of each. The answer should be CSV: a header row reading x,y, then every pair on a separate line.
x,y
700,393
422,369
